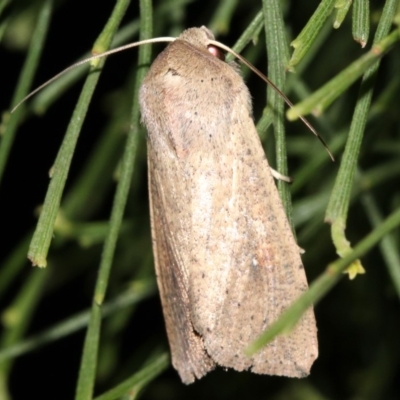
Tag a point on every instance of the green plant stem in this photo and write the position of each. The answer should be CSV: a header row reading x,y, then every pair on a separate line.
x,y
342,7
13,265
389,246
277,60
324,96
361,21
3,5
25,81
251,33
43,234
17,318
139,380
310,32
222,17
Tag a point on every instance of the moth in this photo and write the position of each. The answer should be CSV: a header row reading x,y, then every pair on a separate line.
x,y
227,264
226,261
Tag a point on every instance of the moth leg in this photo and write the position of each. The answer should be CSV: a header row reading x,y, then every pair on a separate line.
x,y
280,177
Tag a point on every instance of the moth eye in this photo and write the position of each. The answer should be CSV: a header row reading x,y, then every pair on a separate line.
x,y
216,52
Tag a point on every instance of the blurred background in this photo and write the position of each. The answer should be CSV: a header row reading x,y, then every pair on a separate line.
x,y
358,320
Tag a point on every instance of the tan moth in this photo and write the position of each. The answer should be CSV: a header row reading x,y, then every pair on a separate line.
x,y
226,261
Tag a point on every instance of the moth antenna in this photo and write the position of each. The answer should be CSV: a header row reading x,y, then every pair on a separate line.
x,y
91,58
269,82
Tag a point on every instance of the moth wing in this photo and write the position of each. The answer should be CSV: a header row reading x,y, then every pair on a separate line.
x,y
187,349
226,260
245,265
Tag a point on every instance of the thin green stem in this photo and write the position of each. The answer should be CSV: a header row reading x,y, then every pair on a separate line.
x,y
25,81
361,21
139,380
277,60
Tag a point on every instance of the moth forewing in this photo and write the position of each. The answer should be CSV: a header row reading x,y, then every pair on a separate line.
x,y
226,260
188,354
